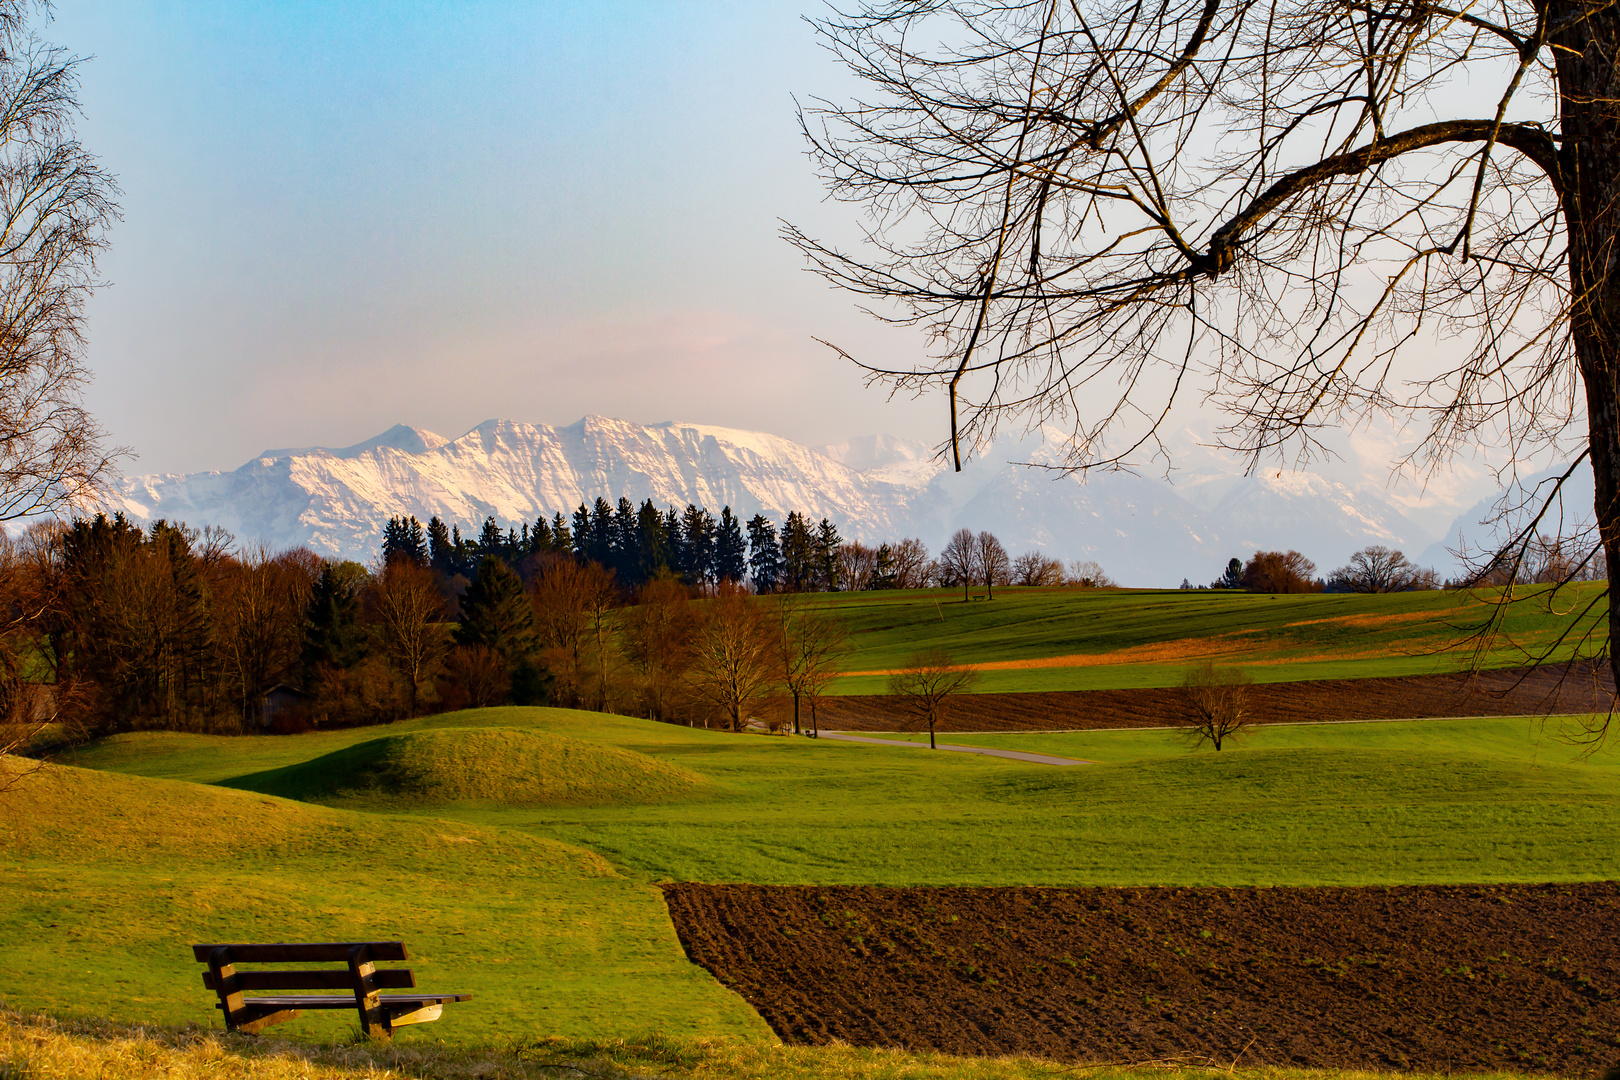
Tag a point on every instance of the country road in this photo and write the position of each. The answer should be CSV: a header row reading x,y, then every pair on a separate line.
x,y
1013,755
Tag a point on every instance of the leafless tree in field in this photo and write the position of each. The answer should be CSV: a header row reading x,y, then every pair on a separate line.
x,y
1309,211
814,646
736,659
911,564
1033,568
925,685
959,561
1379,569
994,567
1217,702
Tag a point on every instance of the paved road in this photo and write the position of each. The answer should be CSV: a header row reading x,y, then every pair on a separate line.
x,y
1014,755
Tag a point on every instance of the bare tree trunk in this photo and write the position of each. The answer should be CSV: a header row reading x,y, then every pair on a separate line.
x,y
1589,87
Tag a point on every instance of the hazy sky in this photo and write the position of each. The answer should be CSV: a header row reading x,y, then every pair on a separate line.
x,y
342,216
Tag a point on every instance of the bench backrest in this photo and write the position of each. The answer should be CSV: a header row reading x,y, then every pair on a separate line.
x,y
359,975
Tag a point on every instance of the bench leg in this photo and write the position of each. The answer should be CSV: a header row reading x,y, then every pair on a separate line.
x,y
259,1023
426,1014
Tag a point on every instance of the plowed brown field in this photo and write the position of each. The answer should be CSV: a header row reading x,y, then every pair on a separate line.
x,y
1439,978
1492,693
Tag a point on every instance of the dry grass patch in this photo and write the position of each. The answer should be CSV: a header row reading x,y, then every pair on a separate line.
x,y
41,1048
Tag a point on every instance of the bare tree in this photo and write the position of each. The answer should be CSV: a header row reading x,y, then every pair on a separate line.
x,y
959,561
1378,569
658,638
925,686
994,568
1217,702
407,610
1279,572
736,659
814,646
570,601
56,204
1033,568
1097,208
911,564
259,607
1088,573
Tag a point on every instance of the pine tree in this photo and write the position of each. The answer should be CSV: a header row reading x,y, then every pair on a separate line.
x,y
496,612
652,543
764,554
883,572
827,544
562,541
676,540
599,543
441,553
491,541
582,533
798,554
697,544
626,543
730,550
332,631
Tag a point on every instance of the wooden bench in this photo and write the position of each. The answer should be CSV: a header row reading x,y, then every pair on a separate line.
x,y
379,1013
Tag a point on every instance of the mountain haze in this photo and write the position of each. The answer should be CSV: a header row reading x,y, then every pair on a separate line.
x,y
1144,531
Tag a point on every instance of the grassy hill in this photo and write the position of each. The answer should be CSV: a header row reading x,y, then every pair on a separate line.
x,y
108,878
1083,639
547,910
472,766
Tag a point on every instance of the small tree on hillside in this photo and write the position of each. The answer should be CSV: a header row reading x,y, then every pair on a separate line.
x,y
735,659
1377,569
959,560
994,567
1279,572
925,686
813,647
1217,702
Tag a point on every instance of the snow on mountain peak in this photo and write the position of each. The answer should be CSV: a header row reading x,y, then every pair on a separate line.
x,y
875,489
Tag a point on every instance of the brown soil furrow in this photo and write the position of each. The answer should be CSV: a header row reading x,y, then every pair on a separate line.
x,y
1492,693
1431,978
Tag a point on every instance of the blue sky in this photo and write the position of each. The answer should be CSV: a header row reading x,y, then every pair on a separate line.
x,y
342,216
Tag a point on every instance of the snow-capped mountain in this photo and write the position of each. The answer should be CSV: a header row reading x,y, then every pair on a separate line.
x,y
1491,522
1143,531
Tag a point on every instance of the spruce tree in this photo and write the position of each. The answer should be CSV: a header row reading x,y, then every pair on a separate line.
x,y
496,612
599,543
626,543
798,554
332,631
652,543
827,544
491,541
582,533
697,545
562,541
441,553
730,550
764,554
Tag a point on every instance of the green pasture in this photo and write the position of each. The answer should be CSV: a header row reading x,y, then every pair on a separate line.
x,y
1140,638
548,910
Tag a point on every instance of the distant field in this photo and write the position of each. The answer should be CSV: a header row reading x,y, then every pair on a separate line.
x,y
1085,639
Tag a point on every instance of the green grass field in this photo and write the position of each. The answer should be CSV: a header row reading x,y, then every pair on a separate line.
x,y
1137,638
548,910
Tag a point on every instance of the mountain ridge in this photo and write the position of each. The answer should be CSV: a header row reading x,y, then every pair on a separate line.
x,y
1142,530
